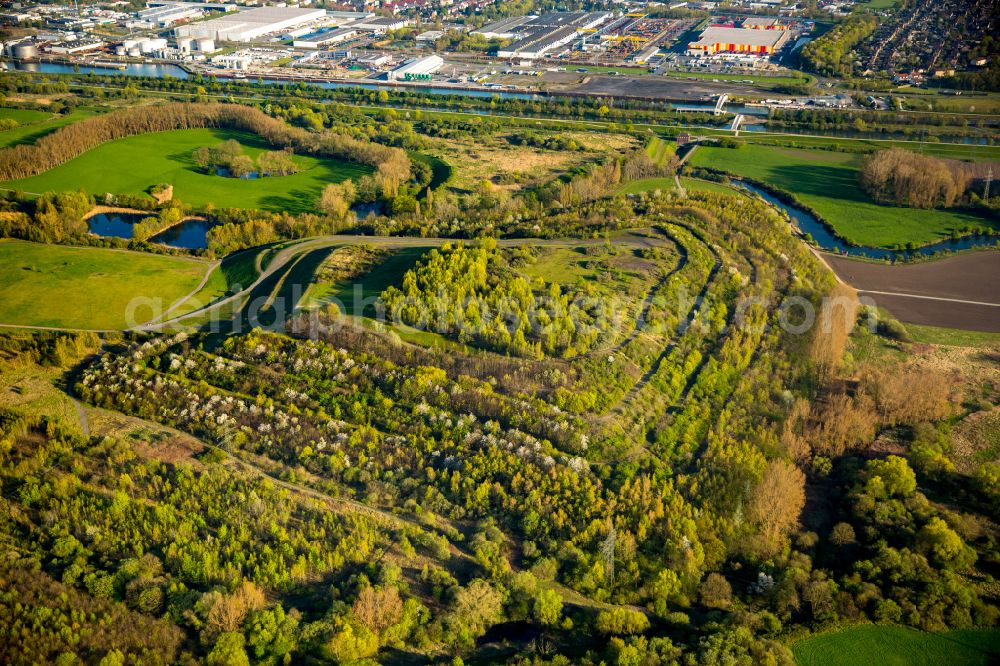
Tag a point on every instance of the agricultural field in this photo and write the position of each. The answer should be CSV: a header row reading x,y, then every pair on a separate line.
x,y
90,288
860,646
166,158
827,182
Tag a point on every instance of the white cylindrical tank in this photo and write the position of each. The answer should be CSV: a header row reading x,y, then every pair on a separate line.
x,y
206,45
130,43
134,52
150,45
24,51
184,44
121,50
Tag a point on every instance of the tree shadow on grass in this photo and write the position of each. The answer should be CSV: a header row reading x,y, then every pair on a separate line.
x,y
287,286
292,201
821,181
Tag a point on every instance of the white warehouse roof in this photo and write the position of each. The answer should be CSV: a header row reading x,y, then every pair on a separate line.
x,y
425,65
245,26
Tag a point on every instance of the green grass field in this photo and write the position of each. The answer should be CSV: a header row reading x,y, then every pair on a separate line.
x,y
659,150
136,163
877,4
968,152
36,129
953,337
898,646
24,116
828,182
72,287
699,185
388,272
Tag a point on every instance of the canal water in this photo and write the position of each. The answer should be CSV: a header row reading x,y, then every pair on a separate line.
x,y
188,235
824,238
165,70
132,69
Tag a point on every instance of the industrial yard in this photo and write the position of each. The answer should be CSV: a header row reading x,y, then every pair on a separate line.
x,y
595,52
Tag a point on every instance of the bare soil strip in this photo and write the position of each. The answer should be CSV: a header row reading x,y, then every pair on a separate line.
x,y
956,292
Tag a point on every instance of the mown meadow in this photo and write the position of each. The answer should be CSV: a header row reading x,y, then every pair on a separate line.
x,y
134,164
827,182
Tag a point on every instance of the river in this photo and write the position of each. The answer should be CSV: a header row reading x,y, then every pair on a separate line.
x,y
824,238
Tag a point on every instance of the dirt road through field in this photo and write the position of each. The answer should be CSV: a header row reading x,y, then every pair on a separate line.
x,y
961,292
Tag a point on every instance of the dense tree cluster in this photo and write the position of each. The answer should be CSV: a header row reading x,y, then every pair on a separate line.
x,y
547,141
832,53
909,179
228,157
473,294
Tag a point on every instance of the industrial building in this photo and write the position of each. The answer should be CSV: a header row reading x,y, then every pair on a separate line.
x,y
754,23
341,19
166,15
323,39
508,28
374,61
539,35
420,69
81,45
737,40
251,24
380,24
430,36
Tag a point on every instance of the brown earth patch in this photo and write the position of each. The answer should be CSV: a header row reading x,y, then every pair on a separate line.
x,y
965,277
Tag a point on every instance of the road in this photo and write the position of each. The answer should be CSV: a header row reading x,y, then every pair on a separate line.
x,y
183,299
292,253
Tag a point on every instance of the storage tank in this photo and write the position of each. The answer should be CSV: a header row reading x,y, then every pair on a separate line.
x,y
206,45
24,51
130,44
134,52
121,50
184,44
150,45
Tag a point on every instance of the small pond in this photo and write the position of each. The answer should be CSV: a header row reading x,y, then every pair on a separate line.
x,y
188,235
